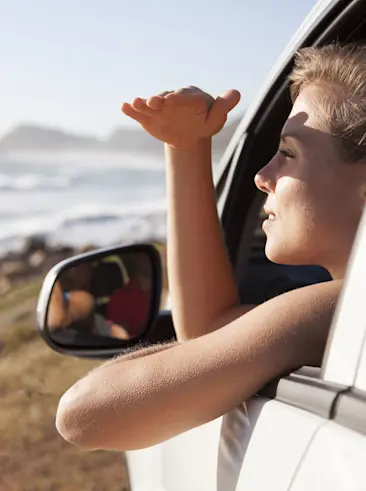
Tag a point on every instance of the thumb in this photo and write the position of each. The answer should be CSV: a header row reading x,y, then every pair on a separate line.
x,y
222,105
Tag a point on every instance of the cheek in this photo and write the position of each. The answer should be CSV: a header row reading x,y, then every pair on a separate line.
x,y
292,238
299,207
291,195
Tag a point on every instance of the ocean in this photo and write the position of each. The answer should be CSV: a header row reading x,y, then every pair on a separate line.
x,y
78,199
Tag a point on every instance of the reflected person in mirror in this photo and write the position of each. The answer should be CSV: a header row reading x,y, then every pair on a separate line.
x,y
129,306
226,352
73,308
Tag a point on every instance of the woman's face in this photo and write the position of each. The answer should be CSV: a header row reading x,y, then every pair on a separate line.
x,y
315,199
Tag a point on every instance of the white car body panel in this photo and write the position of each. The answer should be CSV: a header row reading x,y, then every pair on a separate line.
x,y
185,462
335,461
360,382
344,350
270,446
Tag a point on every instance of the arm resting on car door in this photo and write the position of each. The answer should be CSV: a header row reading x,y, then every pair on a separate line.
x,y
136,402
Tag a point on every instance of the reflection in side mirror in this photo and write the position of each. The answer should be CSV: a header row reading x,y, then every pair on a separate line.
x,y
101,298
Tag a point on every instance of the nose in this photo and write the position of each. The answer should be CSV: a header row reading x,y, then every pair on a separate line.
x,y
264,180
262,183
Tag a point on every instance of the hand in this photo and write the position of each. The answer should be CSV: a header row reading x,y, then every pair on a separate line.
x,y
119,332
184,117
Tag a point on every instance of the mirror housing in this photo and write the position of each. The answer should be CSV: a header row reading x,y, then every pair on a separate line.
x,y
88,303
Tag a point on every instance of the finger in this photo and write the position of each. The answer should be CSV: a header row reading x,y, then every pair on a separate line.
x,y
156,102
197,100
140,105
223,105
230,99
166,92
171,99
129,111
180,97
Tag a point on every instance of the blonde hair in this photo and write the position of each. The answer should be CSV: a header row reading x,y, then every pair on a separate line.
x,y
340,71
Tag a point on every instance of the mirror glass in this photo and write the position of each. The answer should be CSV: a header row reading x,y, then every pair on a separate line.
x,y
101,298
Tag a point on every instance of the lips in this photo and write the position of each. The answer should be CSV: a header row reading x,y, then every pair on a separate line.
x,y
271,216
270,220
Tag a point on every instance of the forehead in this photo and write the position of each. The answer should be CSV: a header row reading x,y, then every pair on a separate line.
x,y
305,120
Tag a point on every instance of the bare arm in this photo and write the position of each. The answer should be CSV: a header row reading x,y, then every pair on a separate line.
x,y
62,313
135,353
57,315
140,402
202,285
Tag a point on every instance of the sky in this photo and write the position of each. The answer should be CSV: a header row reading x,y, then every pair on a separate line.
x,y
70,63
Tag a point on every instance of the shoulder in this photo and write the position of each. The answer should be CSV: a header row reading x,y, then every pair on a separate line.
x,y
312,303
299,319
323,294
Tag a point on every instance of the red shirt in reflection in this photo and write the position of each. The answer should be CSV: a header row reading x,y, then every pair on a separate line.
x,y
129,307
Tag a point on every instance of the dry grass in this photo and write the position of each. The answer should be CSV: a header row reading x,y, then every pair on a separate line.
x,y
33,457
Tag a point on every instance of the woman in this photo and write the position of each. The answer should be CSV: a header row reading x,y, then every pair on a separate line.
x,y
316,190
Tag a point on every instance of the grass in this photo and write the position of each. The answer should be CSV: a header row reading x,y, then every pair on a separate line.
x,y
20,294
33,457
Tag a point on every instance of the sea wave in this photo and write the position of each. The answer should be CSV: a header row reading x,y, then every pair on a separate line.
x,y
101,225
117,160
34,182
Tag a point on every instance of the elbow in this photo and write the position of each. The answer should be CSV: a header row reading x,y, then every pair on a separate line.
x,y
75,419
84,419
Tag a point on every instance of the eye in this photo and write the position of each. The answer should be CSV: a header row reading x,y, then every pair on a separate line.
x,y
286,153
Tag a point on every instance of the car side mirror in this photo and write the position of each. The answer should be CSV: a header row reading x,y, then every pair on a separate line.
x,y
100,302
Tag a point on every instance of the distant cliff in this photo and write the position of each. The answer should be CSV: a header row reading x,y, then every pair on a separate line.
x,y
38,138
25,138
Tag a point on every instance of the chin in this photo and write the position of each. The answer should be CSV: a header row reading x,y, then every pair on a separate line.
x,y
282,254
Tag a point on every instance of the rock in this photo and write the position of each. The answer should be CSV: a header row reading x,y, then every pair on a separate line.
x,y
33,244
86,248
64,250
36,259
13,269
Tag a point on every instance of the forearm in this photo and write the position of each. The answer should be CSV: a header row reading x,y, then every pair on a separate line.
x,y
57,316
201,280
134,403
138,352
96,392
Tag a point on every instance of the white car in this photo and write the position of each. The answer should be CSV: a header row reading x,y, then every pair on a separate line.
x,y
305,431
